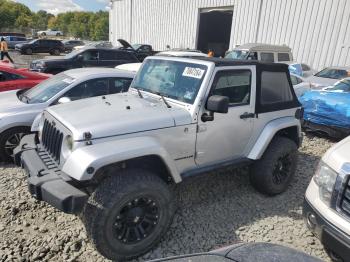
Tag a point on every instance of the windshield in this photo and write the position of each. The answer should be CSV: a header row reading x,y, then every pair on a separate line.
x,y
33,41
136,46
341,86
72,54
47,89
333,73
177,80
238,54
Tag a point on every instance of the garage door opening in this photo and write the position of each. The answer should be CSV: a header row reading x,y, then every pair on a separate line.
x,y
215,31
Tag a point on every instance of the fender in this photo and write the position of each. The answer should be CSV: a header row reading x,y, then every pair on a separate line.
x,y
269,132
106,153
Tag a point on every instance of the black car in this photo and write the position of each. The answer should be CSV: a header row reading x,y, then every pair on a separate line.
x,y
89,57
70,44
53,47
141,51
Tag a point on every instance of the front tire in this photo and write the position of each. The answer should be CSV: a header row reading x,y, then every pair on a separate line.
x,y
273,173
9,140
128,214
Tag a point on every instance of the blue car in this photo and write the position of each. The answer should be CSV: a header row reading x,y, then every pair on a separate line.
x,y
328,110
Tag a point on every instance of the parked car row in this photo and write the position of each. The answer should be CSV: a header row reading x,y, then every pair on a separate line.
x,y
87,57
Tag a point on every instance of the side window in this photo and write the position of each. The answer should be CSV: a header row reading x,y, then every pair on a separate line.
x,y
145,48
283,57
235,84
96,87
252,56
105,55
44,43
76,92
267,57
90,88
275,88
118,85
3,77
91,55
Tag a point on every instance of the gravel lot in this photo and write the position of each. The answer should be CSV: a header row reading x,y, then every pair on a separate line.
x,y
214,210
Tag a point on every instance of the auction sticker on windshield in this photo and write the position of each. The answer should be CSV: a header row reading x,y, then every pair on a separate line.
x,y
193,72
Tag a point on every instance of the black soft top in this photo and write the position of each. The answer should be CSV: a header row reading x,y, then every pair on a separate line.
x,y
260,68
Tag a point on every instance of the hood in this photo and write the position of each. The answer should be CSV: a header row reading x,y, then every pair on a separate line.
x,y
9,103
125,44
338,155
327,108
52,61
118,115
321,81
21,45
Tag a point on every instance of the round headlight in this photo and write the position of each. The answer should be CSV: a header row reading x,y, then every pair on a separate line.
x,y
69,142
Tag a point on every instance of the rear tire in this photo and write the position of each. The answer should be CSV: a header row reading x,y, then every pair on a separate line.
x,y
9,140
29,51
273,173
128,214
55,52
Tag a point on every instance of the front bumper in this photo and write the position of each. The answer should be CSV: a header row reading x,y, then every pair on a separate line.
x,y
331,237
46,182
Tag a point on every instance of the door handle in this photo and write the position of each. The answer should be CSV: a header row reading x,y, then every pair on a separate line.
x,y
247,115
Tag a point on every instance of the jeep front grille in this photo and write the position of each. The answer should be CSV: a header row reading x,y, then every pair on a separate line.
x,y
52,140
345,200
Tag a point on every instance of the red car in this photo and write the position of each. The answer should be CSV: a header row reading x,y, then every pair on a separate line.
x,y
12,78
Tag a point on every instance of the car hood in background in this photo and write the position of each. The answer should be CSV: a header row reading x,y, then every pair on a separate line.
x,y
321,81
52,61
21,45
118,114
327,108
10,104
125,44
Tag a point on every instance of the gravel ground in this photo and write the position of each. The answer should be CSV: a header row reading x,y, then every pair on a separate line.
x,y
214,210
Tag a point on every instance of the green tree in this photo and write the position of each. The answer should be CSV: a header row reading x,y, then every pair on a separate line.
x,y
86,25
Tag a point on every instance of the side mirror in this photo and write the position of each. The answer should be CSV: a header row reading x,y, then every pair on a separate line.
x,y
216,104
63,100
80,58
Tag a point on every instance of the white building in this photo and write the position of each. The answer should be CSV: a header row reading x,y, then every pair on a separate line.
x,y
318,31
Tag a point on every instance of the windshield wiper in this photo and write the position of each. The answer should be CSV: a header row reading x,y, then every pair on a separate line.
x,y
164,100
139,92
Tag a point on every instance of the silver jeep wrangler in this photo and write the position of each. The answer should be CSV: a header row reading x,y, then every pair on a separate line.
x,y
111,158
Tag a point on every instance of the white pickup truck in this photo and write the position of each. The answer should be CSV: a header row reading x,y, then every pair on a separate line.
x,y
327,202
50,32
